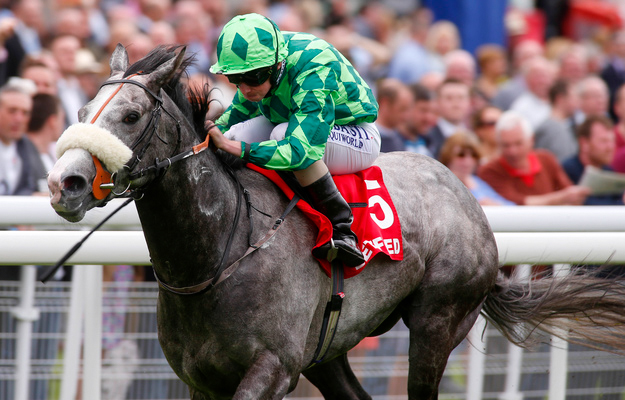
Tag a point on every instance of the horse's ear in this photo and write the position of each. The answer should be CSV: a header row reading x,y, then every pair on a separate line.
x,y
119,59
167,70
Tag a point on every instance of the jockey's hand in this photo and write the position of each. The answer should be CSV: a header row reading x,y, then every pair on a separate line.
x,y
221,142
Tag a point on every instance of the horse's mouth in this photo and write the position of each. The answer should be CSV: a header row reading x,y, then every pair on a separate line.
x,y
71,215
67,203
70,186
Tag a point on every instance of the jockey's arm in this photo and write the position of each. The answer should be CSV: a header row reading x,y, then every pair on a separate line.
x,y
305,176
222,142
304,141
240,110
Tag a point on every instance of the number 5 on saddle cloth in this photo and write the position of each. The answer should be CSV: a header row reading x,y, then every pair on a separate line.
x,y
375,219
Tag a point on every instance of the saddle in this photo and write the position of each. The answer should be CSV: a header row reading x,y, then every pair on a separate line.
x,y
375,219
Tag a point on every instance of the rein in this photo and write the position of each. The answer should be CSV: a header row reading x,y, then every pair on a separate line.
x,y
100,190
146,136
224,273
160,167
104,183
77,246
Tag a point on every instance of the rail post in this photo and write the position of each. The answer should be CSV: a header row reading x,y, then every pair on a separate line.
x,y
26,314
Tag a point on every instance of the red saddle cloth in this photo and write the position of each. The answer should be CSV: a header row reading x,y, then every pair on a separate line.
x,y
375,219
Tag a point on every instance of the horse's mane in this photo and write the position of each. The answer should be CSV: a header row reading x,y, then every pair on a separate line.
x,y
194,103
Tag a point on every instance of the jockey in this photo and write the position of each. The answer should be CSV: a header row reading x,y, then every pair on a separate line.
x,y
301,107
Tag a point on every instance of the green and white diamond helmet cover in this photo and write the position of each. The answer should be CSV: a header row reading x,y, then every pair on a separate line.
x,y
248,42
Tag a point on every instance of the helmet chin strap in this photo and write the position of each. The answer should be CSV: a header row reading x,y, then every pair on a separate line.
x,y
276,77
278,74
278,67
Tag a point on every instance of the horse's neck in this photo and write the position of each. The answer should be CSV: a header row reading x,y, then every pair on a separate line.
x,y
186,217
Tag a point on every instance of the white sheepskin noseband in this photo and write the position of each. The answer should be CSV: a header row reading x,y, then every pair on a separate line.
x,y
109,149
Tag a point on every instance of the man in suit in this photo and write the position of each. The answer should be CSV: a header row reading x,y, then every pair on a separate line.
x,y
64,49
20,165
423,117
395,100
454,107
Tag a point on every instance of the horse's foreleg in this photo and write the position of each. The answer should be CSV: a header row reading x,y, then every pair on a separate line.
x,y
336,380
195,395
266,379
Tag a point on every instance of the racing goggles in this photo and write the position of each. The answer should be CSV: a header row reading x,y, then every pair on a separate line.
x,y
251,78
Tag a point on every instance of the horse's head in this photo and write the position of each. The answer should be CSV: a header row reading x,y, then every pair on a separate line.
x,y
123,130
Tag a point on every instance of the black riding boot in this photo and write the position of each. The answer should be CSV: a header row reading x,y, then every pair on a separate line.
x,y
326,199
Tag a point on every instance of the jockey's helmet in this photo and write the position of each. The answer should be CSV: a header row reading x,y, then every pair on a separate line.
x,y
248,42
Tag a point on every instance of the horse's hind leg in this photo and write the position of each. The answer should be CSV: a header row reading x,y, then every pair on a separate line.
x,y
336,380
435,329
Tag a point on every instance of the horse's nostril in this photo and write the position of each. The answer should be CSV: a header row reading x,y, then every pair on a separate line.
x,y
74,184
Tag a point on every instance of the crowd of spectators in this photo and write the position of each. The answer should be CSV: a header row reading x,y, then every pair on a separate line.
x,y
506,119
428,87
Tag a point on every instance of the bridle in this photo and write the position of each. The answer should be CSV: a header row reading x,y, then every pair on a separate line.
x,y
101,188
160,167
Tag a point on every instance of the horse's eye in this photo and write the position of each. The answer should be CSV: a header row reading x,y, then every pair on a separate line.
x,y
131,118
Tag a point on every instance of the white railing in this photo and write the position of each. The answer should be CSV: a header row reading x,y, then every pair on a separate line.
x,y
548,235
524,235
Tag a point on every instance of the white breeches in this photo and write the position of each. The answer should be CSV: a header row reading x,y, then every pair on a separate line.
x,y
350,148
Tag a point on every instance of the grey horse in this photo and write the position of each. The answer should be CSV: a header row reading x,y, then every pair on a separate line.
x,y
251,334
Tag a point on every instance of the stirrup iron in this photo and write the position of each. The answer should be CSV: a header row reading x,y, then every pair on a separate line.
x,y
332,252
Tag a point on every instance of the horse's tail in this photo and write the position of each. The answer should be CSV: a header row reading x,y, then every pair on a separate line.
x,y
583,307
